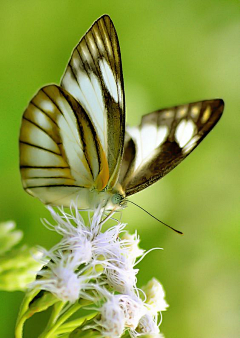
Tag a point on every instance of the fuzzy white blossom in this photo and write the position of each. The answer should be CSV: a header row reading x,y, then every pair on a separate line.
x,y
133,309
99,266
155,296
146,326
121,275
112,322
120,312
61,278
132,244
77,237
88,243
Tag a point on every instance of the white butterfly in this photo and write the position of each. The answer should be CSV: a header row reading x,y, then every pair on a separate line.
x,y
73,144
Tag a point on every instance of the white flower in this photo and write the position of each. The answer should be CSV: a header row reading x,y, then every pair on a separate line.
x,y
133,309
119,269
121,275
60,278
120,255
146,326
89,262
131,242
120,312
77,237
108,243
155,296
88,244
112,322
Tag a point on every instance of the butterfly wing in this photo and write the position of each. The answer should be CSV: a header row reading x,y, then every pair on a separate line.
x,y
94,78
61,155
163,139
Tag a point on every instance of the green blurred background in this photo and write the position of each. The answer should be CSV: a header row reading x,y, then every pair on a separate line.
x,y
173,52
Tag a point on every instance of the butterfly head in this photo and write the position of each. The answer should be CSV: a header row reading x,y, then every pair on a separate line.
x,y
119,200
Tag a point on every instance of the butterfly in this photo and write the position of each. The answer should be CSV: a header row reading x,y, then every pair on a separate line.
x,y
73,141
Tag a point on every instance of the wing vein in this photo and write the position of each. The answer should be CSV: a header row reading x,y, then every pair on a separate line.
x,y
37,125
38,147
54,185
43,111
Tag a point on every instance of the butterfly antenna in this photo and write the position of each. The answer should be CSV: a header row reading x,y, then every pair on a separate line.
x,y
179,232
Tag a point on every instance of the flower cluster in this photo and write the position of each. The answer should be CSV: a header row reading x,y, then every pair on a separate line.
x,y
99,267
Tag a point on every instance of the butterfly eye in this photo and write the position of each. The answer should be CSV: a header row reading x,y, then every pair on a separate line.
x,y
117,199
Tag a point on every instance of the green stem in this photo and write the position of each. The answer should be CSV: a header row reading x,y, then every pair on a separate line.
x,y
25,303
70,326
19,326
22,317
54,316
64,317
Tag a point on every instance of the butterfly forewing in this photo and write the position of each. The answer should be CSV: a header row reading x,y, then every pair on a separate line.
x,y
163,139
60,152
94,77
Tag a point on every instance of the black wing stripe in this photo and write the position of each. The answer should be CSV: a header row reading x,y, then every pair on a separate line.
x,y
41,148
42,167
55,104
43,111
99,75
36,125
83,136
113,65
115,54
106,47
54,185
51,99
46,177
73,73
58,108
103,41
70,65
87,73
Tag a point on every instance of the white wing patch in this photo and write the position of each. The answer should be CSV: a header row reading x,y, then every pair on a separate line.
x,y
47,105
149,137
191,144
184,132
109,80
162,134
147,140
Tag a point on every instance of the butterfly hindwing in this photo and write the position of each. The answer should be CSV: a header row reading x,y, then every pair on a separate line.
x,y
60,152
94,78
163,139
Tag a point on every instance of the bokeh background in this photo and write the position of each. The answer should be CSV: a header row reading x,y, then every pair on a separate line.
x,y
173,52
